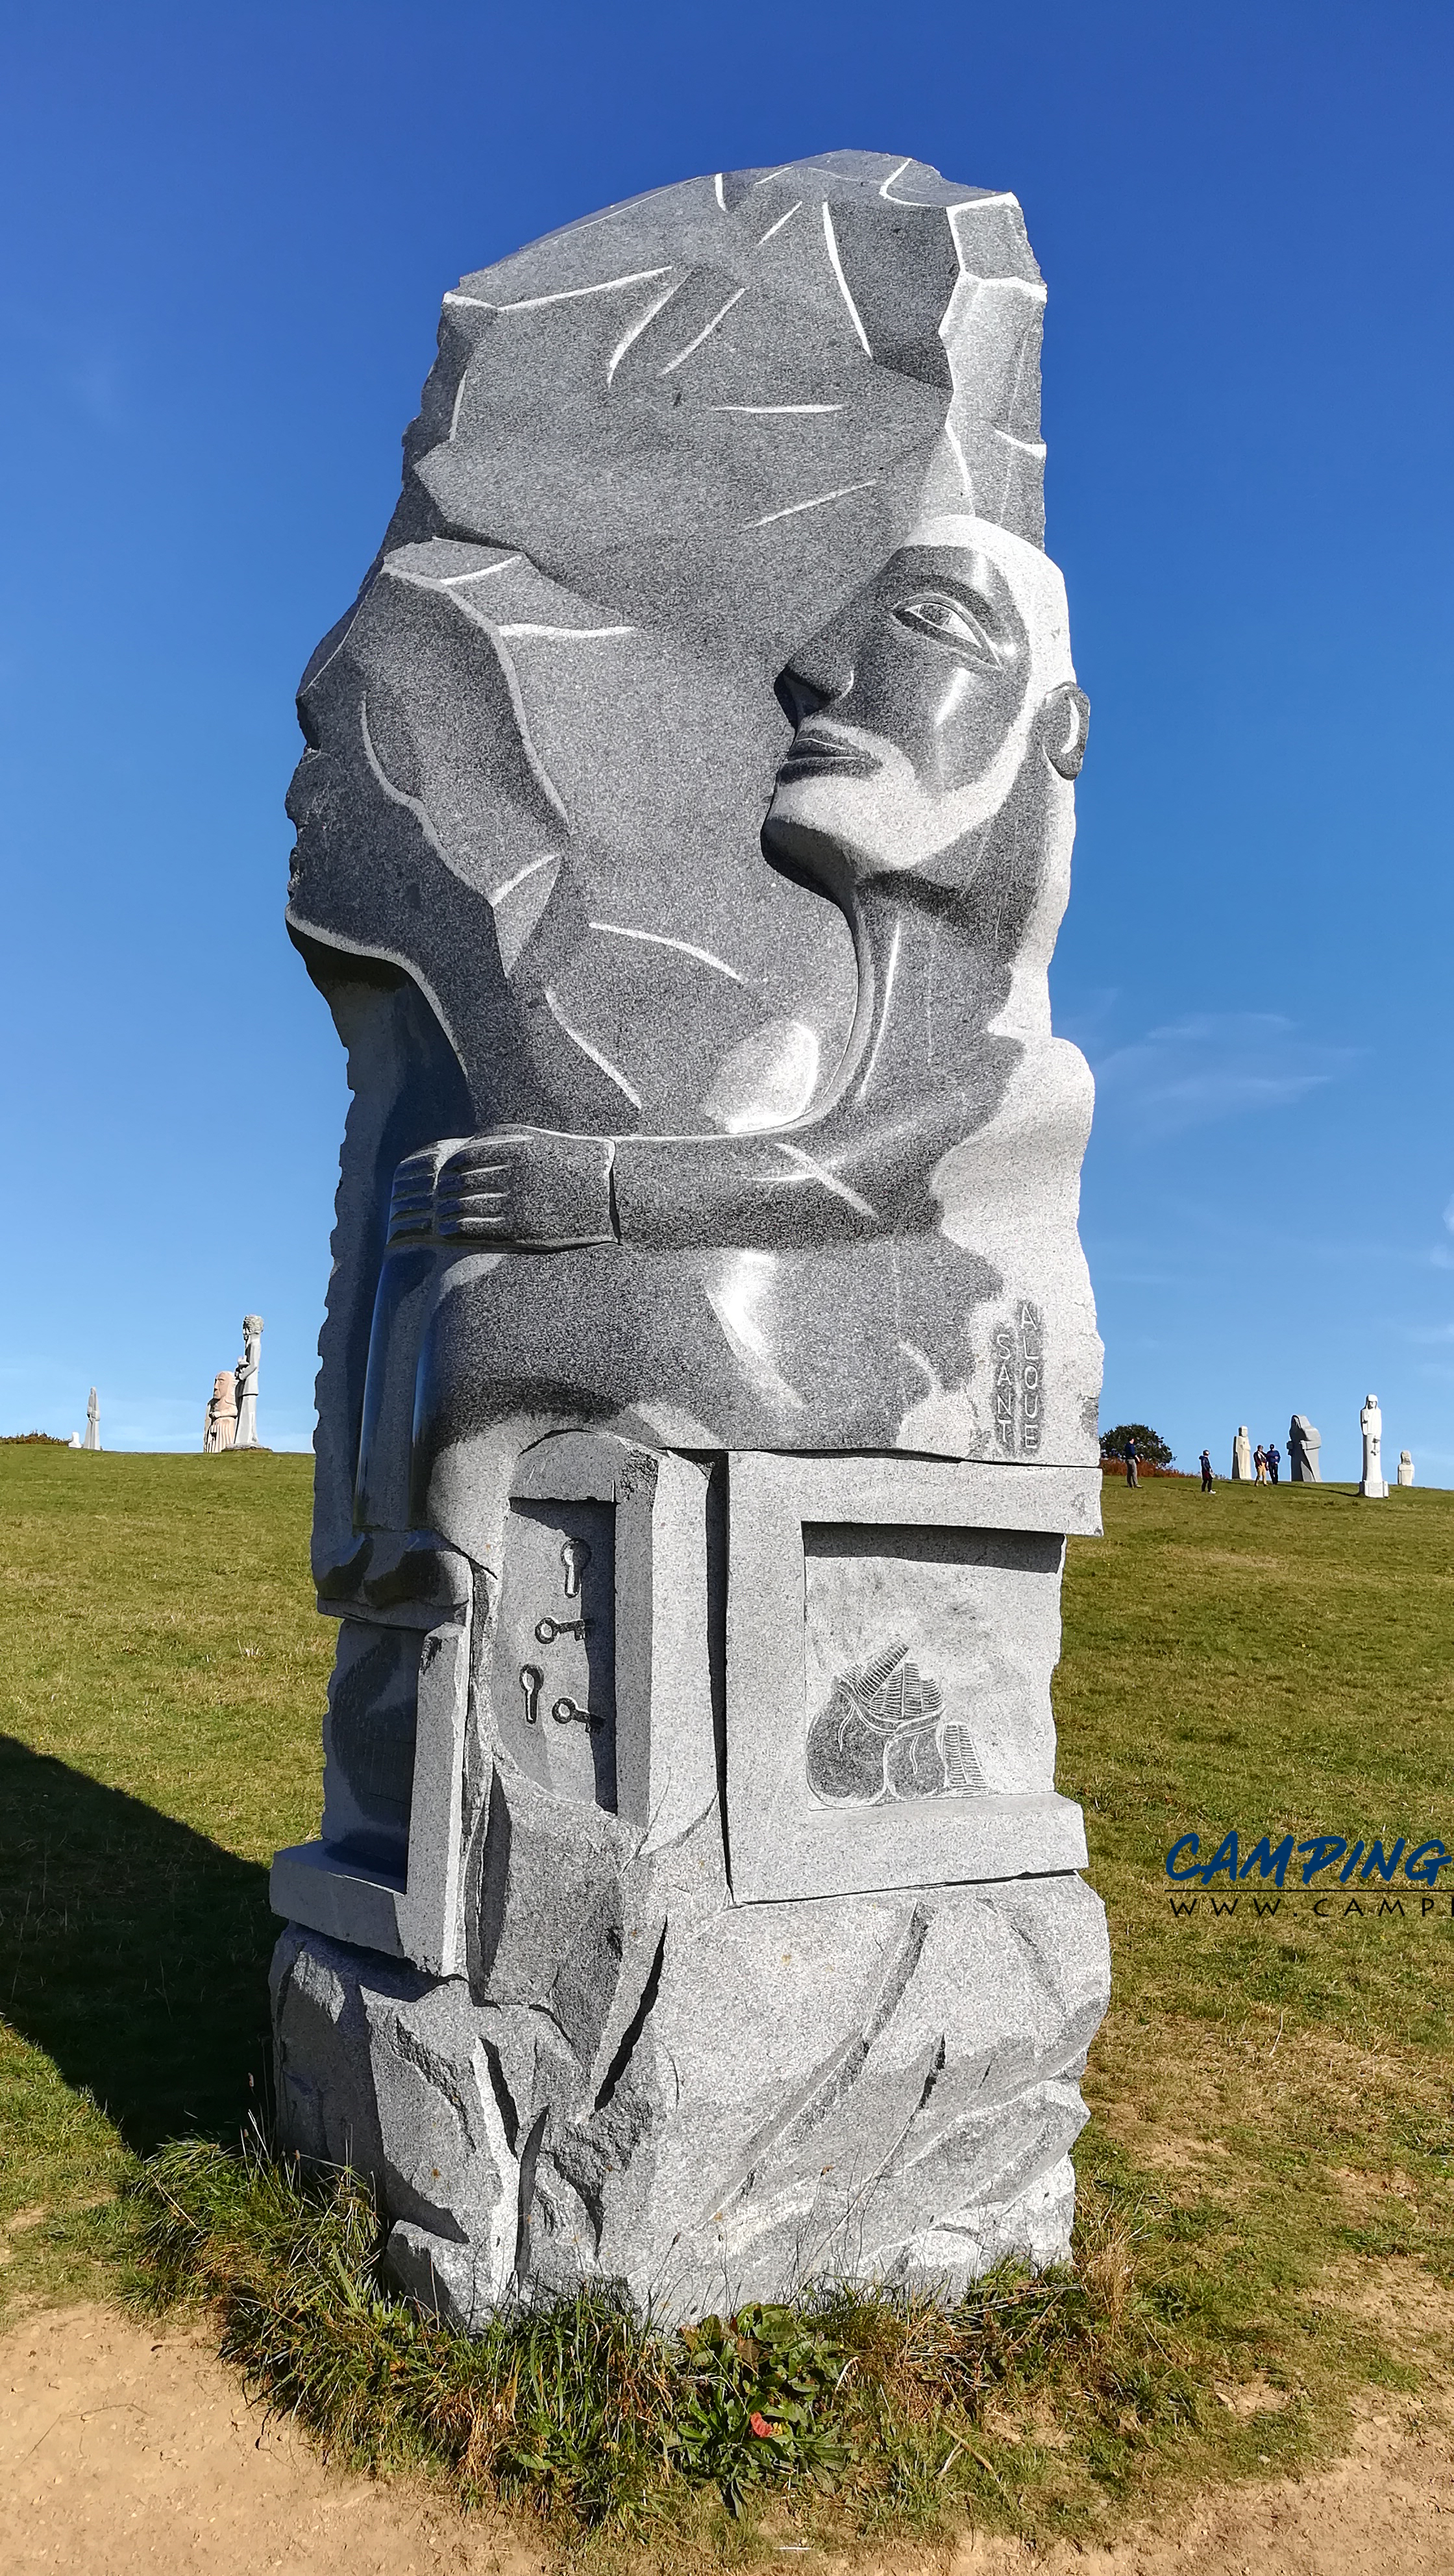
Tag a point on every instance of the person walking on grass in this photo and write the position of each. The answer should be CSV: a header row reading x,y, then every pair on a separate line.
x,y
1206,1471
1274,1461
1132,1454
1259,1461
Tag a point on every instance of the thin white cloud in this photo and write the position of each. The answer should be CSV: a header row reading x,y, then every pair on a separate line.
x,y
1214,1065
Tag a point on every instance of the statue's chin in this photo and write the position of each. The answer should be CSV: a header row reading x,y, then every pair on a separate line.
x,y
805,833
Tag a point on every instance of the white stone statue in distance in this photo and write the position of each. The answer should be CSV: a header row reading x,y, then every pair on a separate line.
x,y
1372,1486
245,1436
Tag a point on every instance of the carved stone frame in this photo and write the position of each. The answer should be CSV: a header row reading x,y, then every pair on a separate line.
x,y
666,1763
781,1841
418,1918
666,1773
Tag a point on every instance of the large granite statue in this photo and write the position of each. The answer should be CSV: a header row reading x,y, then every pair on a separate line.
x,y
709,1379
1304,1444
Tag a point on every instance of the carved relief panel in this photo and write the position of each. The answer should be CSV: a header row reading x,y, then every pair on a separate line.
x,y
892,1628
928,1655
555,1647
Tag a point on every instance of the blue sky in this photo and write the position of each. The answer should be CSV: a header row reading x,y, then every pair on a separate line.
x,y
227,235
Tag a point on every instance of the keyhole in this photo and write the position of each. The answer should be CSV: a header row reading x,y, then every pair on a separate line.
x,y
531,1679
575,1556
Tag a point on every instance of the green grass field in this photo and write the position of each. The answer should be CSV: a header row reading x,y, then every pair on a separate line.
x,y
1266,2181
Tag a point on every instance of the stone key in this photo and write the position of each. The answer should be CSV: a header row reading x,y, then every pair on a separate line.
x,y
567,1713
547,1630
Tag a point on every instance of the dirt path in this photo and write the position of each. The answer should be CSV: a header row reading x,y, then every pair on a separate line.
x,y
123,2450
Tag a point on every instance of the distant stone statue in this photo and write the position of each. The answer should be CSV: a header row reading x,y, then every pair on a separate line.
x,y
75,1440
1372,1486
1405,1467
1303,1444
220,1428
1242,1469
245,1436
93,1422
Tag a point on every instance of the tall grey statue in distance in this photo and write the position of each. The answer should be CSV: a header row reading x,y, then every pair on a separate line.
x,y
709,1380
92,1438
245,1378
1372,1485
1242,1473
1303,1445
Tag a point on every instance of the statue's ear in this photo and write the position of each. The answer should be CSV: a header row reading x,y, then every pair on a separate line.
x,y
1064,724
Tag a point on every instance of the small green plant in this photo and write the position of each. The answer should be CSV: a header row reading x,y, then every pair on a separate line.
x,y
758,2387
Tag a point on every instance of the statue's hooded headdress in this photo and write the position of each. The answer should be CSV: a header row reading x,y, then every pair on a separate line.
x,y
657,454
720,406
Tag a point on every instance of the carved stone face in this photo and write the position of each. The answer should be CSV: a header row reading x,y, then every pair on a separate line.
x,y
916,707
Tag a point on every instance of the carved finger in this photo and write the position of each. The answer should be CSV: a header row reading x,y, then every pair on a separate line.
x,y
470,1223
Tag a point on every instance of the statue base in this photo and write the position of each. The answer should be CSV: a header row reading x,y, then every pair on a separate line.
x,y
695,1909
878,2089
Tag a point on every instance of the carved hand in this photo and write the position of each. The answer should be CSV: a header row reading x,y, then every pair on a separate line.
x,y
528,1186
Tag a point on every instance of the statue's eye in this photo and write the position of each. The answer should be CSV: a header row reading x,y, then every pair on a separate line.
x,y
945,621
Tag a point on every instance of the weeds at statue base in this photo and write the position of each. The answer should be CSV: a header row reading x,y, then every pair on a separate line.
x,y
873,2403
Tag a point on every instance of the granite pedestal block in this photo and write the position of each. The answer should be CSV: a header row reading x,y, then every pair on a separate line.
x,y
710,2103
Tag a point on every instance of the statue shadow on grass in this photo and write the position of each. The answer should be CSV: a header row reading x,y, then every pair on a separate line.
x,y
133,1951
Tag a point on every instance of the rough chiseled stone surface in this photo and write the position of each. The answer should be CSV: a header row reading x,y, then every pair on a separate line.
x,y
709,2102
710,1371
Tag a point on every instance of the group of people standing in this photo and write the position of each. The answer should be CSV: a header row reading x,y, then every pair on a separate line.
x,y
1265,1463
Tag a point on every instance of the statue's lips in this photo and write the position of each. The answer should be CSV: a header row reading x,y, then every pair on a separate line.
x,y
824,755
